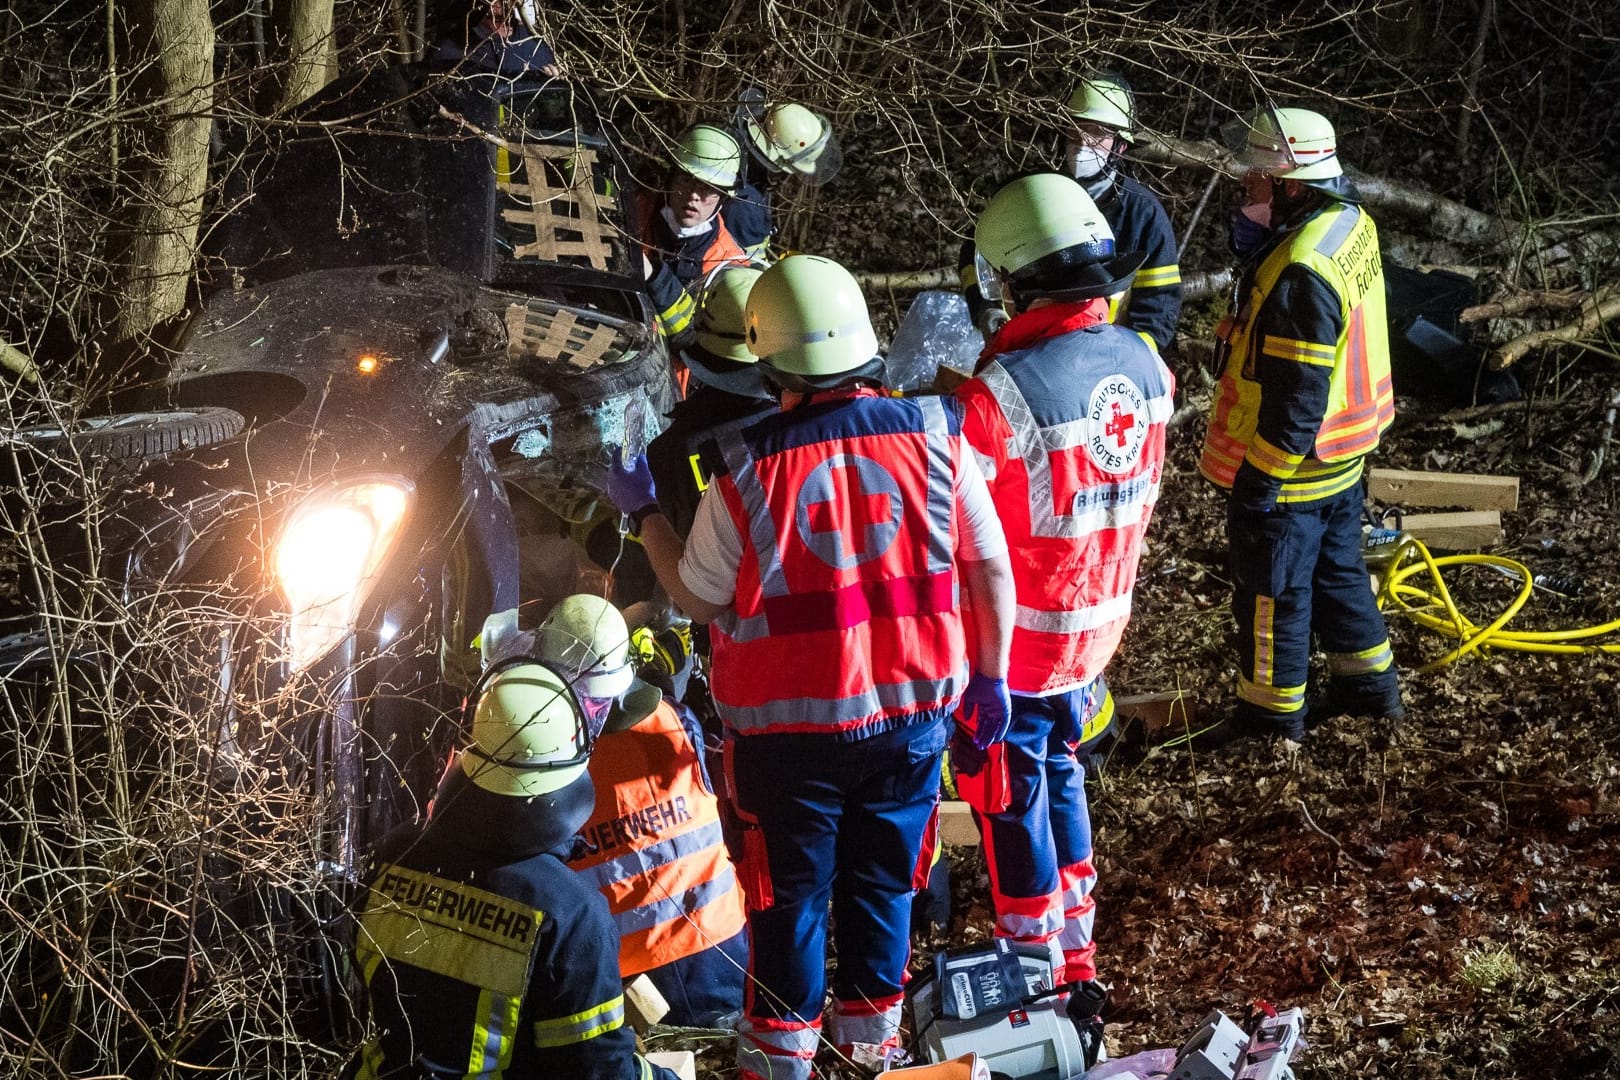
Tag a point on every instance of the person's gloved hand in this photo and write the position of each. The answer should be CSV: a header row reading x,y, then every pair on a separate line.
x,y
986,710
990,319
630,488
966,759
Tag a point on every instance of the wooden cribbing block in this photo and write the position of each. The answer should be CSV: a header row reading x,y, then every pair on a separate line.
x,y
644,1006
956,826
1476,491
1467,530
1164,713
683,1063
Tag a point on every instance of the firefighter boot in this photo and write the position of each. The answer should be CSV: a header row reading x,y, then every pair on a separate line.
x,y
1369,695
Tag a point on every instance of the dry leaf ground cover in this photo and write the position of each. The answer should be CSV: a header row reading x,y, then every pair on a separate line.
x,y
1440,895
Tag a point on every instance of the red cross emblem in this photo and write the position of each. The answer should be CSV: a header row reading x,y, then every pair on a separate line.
x,y
849,511
1120,423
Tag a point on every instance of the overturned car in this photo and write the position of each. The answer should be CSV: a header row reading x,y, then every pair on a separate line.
x,y
273,589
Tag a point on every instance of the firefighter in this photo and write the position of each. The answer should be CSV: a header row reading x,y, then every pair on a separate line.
x,y
730,389
499,37
653,845
828,555
1102,112
1303,397
1067,415
481,951
684,236
782,139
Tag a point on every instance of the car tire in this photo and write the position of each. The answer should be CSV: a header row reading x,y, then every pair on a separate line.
x,y
131,438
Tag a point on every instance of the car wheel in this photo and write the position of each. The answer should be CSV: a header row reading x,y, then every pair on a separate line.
x,y
131,438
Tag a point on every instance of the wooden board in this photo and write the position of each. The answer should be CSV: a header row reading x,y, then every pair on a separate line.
x,y
1476,491
956,827
1466,530
644,1006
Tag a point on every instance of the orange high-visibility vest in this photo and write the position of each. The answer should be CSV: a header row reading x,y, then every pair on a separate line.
x,y
660,859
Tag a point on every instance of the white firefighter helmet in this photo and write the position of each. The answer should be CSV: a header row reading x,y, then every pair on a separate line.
x,y
529,736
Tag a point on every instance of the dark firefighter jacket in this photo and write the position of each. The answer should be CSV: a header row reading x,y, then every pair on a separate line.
x,y
485,955
682,457
1152,308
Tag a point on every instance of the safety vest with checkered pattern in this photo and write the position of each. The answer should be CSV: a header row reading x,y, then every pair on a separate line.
x,y
1340,244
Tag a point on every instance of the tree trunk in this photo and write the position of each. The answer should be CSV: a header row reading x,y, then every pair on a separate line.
x,y
311,51
171,48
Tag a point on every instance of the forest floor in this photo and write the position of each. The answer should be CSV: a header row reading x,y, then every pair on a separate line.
x,y
1441,896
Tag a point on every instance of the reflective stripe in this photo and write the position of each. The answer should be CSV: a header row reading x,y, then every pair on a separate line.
x,y
941,493
1272,460
581,1026
1366,662
776,1049
1079,909
819,713
1073,622
874,1023
678,316
1349,216
493,1032
1305,352
1296,491
1277,699
644,859
1157,277
674,907
1097,723
1265,640
757,511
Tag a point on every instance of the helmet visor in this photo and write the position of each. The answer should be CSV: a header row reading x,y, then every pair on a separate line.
x,y
991,286
819,162
1258,141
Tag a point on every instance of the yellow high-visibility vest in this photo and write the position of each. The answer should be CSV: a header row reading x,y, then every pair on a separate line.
x,y
1341,245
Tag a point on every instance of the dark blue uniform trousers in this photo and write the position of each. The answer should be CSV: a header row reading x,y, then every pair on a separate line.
x,y
1298,569
839,821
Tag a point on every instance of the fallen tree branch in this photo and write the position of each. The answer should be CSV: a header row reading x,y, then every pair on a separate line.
x,y
944,277
1204,284
1446,217
1597,309
14,359
1520,302
1605,437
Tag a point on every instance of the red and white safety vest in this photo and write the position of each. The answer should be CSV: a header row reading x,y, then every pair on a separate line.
x,y
660,859
846,613
1068,421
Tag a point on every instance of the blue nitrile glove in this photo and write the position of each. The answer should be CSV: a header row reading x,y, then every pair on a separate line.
x,y
986,710
630,488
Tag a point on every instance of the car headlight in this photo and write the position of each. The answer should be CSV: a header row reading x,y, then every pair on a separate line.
x,y
328,556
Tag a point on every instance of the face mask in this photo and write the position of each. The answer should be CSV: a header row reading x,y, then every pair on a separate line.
x,y
683,232
1085,162
1250,226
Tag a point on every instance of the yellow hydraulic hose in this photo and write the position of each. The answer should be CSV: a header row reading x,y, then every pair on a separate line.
x,y
1437,611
